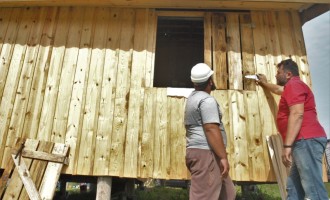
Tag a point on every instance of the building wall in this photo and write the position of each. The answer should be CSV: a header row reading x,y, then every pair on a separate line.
x,y
83,76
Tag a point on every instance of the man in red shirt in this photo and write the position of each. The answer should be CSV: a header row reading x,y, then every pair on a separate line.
x,y
303,137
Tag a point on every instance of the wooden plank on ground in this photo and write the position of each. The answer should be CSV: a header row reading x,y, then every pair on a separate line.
x,y
15,69
234,51
53,73
133,120
36,169
13,191
151,48
256,143
60,107
161,135
219,48
122,85
147,138
52,173
96,55
238,131
38,88
248,66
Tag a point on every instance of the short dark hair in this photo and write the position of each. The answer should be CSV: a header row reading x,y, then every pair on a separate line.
x,y
203,85
289,65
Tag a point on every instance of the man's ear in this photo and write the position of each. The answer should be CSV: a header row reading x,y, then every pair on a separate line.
x,y
288,74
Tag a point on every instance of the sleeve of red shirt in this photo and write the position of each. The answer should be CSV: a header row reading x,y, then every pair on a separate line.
x,y
295,93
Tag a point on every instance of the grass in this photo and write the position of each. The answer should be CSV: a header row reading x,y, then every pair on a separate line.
x,y
263,192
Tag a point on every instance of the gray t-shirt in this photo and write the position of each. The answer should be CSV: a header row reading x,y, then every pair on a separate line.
x,y
201,108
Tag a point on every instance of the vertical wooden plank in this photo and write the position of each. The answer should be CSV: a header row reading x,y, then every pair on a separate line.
x,y
234,52
266,101
238,131
222,98
38,167
177,138
133,120
25,79
208,38
11,85
5,15
59,126
38,86
13,190
108,88
5,55
256,143
104,185
219,48
148,80
248,66
95,58
52,173
122,85
8,44
55,67
300,49
161,154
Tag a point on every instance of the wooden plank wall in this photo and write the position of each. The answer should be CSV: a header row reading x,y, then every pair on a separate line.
x,y
83,76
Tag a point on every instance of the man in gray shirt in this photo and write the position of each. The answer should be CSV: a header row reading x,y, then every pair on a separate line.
x,y
206,156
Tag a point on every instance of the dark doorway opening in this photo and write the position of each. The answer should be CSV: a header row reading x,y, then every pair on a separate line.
x,y
179,46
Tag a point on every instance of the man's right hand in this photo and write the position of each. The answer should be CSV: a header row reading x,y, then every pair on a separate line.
x,y
224,167
262,79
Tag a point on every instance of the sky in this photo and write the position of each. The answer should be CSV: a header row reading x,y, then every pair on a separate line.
x,y
317,40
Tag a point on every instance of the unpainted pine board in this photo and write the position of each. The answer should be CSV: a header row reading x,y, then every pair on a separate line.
x,y
69,65
38,167
5,55
248,66
278,146
177,137
148,80
284,23
108,87
15,186
39,78
256,143
95,56
9,167
222,98
300,49
147,137
122,90
133,120
275,168
266,101
53,72
219,48
25,79
161,153
234,51
15,69
8,44
208,38
238,130
5,14
52,173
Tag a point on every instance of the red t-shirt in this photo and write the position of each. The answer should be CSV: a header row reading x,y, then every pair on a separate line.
x,y
296,92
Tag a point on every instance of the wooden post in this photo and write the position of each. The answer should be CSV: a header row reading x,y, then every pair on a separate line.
x,y
103,191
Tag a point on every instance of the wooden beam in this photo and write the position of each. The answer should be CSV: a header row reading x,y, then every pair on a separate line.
x,y
313,11
43,156
104,185
184,4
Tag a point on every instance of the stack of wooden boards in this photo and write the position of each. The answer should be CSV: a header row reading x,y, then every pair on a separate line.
x,y
36,166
